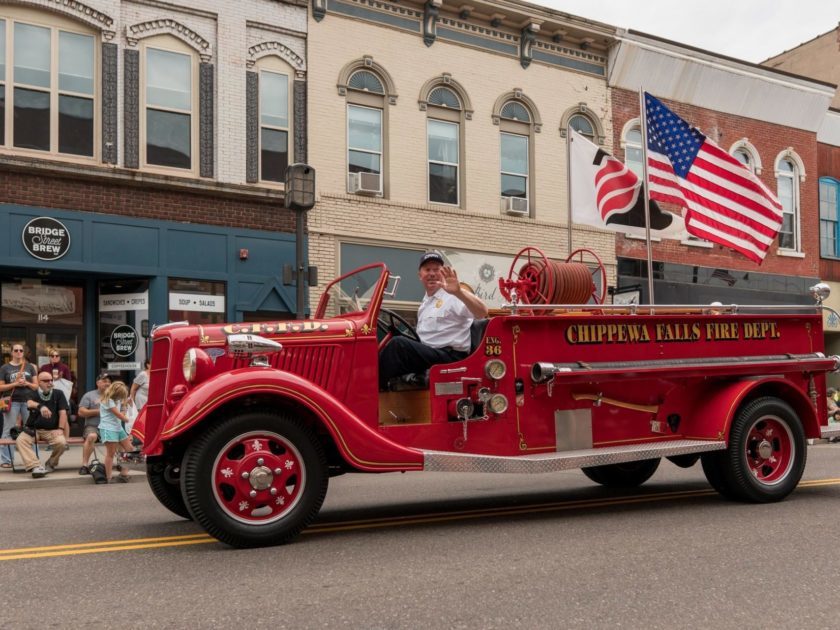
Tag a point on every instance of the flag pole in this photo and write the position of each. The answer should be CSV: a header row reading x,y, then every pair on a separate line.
x,y
645,187
569,183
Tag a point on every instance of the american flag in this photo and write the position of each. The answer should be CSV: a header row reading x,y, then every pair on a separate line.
x,y
725,202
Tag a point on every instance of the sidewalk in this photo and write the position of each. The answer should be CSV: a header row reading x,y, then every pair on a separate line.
x,y
67,473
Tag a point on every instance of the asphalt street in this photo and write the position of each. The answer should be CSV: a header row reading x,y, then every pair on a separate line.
x,y
435,550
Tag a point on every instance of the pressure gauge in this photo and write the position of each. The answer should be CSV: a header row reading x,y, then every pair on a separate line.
x,y
498,403
495,369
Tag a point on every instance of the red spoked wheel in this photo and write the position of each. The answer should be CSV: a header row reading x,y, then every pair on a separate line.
x,y
255,479
766,455
258,477
769,450
532,276
597,271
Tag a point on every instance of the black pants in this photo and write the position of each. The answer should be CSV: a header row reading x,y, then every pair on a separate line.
x,y
405,356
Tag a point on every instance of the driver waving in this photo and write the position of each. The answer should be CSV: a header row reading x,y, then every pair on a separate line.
x,y
443,324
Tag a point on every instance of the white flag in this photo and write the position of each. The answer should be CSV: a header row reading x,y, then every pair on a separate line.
x,y
608,195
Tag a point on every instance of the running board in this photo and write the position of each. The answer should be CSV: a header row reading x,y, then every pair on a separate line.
x,y
830,431
440,461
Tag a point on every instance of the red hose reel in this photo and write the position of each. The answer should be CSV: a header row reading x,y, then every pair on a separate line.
x,y
536,279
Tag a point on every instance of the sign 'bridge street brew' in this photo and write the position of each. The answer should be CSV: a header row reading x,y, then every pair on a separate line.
x,y
46,238
124,340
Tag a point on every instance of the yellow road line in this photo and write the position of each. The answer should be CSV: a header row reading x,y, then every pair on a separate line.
x,y
134,544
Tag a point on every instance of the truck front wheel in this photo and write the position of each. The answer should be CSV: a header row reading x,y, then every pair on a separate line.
x,y
255,479
626,475
766,455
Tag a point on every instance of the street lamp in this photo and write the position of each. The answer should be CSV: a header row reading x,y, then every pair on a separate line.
x,y
300,197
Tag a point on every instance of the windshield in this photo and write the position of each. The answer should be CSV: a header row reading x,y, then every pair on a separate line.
x,y
352,293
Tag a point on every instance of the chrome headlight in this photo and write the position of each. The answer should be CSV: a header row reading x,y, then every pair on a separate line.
x,y
495,369
188,365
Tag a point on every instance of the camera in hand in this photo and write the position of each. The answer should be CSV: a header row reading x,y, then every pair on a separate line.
x,y
14,432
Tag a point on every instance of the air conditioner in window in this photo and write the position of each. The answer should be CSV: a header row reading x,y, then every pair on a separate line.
x,y
515,205
365,183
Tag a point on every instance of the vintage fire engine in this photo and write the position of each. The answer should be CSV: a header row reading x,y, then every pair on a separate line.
x,y
246,422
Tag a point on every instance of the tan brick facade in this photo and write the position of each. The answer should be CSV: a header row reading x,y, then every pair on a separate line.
x,y
405,218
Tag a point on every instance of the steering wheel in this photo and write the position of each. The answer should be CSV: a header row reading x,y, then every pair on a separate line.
x,y
391,323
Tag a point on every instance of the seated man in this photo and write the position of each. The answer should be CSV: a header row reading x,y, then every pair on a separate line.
x,y
47,421
443,323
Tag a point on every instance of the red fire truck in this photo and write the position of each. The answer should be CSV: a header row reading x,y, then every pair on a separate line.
x,y
246,422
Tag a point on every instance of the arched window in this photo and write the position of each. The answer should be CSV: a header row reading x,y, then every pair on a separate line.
x,y
49,98
829,220
518,121
746,154
787,190
584,127
632,143
447,107
169,103
369,91
275,107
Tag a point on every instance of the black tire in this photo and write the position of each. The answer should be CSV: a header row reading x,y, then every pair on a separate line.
x,y
626,475
714,466
163,478
767,451
254,480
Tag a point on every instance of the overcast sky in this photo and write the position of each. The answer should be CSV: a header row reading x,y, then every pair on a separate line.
x,y
752,30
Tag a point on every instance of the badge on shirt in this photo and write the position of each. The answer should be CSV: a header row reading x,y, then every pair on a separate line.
x,y
439,303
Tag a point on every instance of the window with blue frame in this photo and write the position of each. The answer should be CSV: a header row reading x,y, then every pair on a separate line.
x,y
829,202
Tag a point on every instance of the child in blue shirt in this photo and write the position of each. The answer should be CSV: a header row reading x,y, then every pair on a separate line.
x,y
111,431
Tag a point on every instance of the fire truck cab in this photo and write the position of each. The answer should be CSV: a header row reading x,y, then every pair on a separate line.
x,y
246,422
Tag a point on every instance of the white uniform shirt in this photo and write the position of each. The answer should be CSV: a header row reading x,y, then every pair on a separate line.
x,y
444,320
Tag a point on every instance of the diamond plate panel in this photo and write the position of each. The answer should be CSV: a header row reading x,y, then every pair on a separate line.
x,y
438,461
832,430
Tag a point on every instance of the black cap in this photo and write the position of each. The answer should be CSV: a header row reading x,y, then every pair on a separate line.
x,y
431,257
103,375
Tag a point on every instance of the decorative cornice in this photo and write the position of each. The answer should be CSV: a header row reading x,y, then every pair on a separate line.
x,y
264,49
80,11
141,30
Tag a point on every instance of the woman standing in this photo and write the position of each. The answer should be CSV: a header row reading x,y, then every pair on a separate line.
x,y
17,377
140,387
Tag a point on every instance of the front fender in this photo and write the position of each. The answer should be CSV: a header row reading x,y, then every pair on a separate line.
x,y
360,445
714,409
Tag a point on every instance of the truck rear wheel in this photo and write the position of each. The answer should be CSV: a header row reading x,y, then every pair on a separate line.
x,y
626,475
255,479
163,480
766,455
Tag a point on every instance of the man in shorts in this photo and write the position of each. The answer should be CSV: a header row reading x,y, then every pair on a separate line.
x,y
89,410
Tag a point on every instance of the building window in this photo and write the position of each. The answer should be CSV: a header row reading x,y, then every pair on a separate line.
x,y
365,133
443,141
746,154
584,127
445,109
829,202
514,161
633,155
197,301
274,125
364,139
169,107
787,187
50,87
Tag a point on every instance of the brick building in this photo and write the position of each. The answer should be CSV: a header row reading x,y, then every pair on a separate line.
x,y
769,121
443,126
820,58
142,153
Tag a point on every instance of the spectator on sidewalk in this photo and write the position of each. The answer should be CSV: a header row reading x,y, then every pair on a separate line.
x,y
89,411
111,431
55,363
17,379
140,387
47,421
